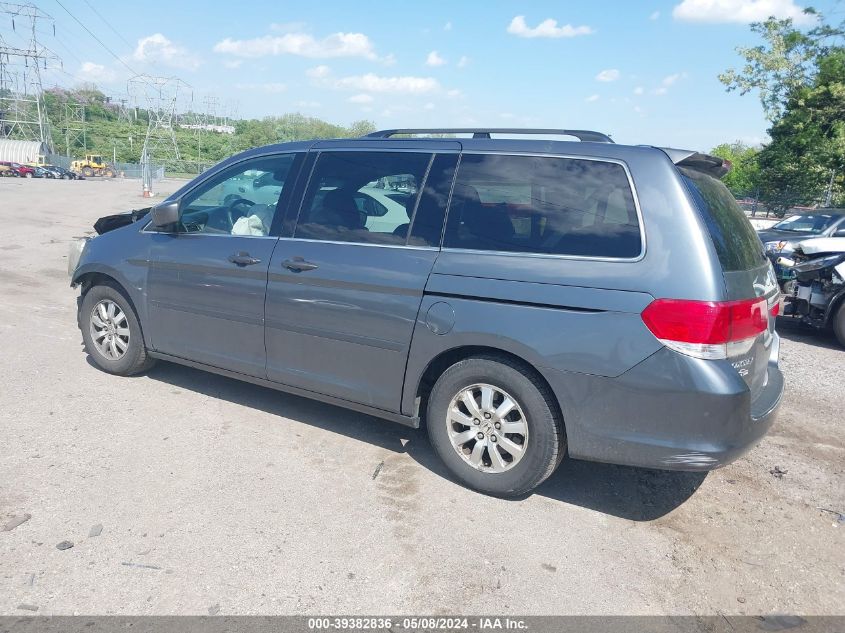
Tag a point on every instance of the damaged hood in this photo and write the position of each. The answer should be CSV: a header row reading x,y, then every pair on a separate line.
x,y
823,245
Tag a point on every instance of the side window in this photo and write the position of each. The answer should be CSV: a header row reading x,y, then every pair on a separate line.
x,y
239,201
431,210
366,197
536,204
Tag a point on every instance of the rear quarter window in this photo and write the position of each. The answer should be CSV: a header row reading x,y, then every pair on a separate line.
x,y
544,205
736,243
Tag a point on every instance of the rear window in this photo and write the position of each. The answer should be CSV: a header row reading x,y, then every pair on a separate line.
x,y
735,240
540,204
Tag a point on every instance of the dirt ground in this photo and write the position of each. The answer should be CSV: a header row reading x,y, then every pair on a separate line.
x,y
216,496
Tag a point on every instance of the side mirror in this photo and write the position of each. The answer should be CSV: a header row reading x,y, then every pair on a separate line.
x,y
839,233
166,213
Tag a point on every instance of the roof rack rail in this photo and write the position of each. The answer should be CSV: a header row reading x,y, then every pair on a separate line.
x,y
581,135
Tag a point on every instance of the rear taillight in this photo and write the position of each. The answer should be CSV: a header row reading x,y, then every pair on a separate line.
x,y
707,329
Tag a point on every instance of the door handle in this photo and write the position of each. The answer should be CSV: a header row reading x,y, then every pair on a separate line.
x,y
298,265
243,259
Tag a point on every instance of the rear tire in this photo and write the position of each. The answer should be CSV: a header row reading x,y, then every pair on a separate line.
x,y
528,438
112,333
839,324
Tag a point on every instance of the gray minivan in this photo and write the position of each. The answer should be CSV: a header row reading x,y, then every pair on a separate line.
x,y
525,299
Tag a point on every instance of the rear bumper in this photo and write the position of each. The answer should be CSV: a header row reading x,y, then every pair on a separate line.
x,y
670,412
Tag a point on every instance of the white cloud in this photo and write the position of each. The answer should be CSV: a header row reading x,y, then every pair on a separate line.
x,y
319,72
269,87
447,26
668,81
654,16
308,104
592,98
434,59
546,28
454,94
361,98
463,62
639,90
375,83
611,74
428,106
233,63
673,79
89,71
302,44
739,11
156,48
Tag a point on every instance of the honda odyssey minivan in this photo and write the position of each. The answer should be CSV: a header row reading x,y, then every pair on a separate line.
x,y
526,300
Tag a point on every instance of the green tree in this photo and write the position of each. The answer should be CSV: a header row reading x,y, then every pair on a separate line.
x,y
800,76
808,142
787,61
744,176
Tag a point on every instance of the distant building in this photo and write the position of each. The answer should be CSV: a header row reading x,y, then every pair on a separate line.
x,y
220,129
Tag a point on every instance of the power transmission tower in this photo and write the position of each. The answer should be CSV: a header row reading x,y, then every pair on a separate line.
x,y
22,112
125,112
163,98
74,126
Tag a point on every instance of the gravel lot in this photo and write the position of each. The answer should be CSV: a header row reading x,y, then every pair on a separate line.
x,y
216,496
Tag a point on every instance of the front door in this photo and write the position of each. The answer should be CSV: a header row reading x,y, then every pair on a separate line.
x,y
344,290
208,275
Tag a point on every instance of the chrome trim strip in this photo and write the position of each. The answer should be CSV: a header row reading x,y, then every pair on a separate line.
x,y
201,234
415,248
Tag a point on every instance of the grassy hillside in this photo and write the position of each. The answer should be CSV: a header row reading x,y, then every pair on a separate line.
x,y
105,134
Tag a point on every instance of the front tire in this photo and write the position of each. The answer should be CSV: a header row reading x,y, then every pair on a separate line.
x,y
495,425
111,332
839,324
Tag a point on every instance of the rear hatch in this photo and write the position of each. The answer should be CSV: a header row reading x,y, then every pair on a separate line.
x,y
749,278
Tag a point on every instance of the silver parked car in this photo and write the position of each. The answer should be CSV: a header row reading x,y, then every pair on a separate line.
x,y
526,300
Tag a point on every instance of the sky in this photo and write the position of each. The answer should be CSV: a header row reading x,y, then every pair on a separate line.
x,y
644,71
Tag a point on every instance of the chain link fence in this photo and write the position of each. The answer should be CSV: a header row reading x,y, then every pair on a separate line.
x,y
122,170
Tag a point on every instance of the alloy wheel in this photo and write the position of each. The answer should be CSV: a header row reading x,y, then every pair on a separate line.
x,y
487,428
109,329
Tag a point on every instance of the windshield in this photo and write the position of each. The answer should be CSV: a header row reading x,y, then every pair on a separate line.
x,y
810,223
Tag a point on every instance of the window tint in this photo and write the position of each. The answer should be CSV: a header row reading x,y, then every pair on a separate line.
x,y
239,201
362,197
735,240
530,204
431,210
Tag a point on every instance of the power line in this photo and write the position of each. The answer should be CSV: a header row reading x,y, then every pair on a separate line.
x,y
108,24
99,41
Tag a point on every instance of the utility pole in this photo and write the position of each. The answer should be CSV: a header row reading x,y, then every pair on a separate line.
x,y
828,199
22,112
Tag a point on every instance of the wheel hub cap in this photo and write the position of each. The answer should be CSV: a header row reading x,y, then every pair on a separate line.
x,y
109,330
487,428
